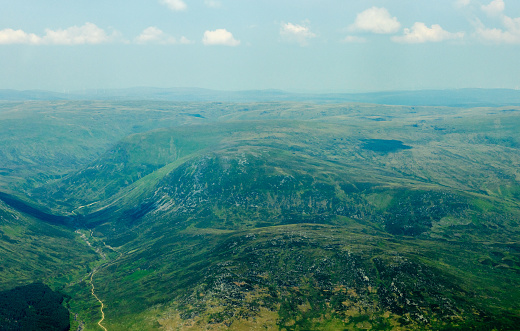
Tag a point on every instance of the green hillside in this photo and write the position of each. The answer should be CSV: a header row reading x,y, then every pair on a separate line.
x,y
285,216
223,212
33,250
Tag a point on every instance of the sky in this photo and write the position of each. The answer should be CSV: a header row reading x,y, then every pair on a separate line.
x,y
304,45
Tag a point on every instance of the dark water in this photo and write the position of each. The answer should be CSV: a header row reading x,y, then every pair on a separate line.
x,y
384,145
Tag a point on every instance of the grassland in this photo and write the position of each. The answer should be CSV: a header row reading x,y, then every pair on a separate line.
x,y
287,216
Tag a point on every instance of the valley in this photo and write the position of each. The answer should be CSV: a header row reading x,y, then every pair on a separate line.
x,y
264,215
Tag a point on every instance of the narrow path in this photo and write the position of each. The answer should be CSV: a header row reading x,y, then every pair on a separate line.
x,y
90,204
106,264
101,302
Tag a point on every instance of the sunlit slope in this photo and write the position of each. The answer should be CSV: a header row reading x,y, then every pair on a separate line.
x,y
305,277
268,186
468,155
221,234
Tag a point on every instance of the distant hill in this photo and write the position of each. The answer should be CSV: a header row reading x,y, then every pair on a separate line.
x,y
470,97
15,95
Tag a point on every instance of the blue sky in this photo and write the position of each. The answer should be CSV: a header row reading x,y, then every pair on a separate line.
x,y
305,45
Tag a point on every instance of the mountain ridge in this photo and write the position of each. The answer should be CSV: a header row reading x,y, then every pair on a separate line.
x,y
464,97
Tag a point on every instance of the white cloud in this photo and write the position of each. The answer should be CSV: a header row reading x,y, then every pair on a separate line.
x,y
213,3
154,35
75,35
498,36
296,33
219,37
509,34
495,7
89,33
175,5
420,33
376,20
10,36
354,39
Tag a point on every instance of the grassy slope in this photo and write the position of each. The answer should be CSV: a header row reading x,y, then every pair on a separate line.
x,y
250,179
36,251
42,141
188,256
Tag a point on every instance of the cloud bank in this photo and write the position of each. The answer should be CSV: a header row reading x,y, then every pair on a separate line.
x,y
498,29
89,33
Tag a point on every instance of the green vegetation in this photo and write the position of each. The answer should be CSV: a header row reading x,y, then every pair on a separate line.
x,y
33,307
234,216
34,250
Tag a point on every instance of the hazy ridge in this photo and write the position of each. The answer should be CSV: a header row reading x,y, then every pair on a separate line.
x,y
467,97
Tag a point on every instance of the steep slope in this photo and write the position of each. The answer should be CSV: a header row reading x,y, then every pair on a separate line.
x,y
34,250
222,237
225,240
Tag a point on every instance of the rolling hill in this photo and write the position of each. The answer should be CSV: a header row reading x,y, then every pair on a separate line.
x,y
279,215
